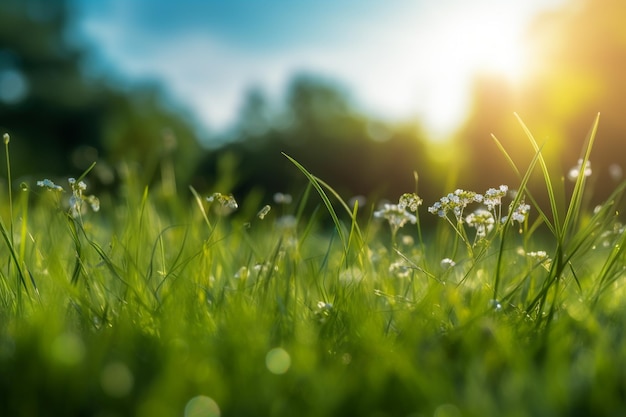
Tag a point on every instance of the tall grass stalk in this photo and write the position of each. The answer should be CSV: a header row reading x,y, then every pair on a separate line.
x,y
16,256
565,233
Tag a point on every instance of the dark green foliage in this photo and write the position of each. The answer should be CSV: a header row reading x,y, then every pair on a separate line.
x,y
61,121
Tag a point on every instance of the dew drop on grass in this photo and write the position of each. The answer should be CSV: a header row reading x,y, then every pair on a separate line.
x,y
202,406
278,361
495,305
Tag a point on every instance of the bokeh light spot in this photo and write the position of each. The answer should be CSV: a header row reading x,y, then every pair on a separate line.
x,y
447,410
116,380
68,349
13,86
202,406
278,361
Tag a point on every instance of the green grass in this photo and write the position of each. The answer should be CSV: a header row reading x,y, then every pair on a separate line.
x,y
165,306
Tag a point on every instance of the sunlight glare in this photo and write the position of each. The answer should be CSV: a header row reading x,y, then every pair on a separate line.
x,y
482,39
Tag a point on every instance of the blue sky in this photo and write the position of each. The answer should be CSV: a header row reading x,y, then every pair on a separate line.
x,y
399,59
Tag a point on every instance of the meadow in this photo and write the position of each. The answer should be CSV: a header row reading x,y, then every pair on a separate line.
x,y
150,304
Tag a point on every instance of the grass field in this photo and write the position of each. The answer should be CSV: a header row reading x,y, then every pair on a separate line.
x,y
156,305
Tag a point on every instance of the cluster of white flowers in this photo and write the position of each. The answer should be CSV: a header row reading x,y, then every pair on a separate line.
x,y
493,197
447,263
400,214
410,201
78,196
49,185
455,202
396,216
519,213
541,257
482,220
227,202
400,269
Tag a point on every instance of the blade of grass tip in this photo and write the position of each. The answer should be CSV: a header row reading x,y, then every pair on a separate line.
x,y
546,177
560,259
354,227
314,182
577,195
201,206
506,155
87,171
529,171
522,189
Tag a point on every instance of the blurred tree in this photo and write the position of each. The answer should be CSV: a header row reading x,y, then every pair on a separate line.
x,y
57,117
320,128
44,104
255,116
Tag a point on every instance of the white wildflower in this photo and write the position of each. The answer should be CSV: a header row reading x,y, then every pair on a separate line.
x,y
49,185
482,221
410,201
447,263
400,269
281,198
573,173
227,202
493,196
455,202
77,198
395,215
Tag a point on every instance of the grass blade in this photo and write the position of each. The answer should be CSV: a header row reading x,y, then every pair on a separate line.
x,y
575,202
546,176
329,206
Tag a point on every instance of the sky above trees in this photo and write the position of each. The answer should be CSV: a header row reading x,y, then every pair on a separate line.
x,y
398,59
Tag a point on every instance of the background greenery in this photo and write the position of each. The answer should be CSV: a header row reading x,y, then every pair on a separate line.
x,y
65,118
